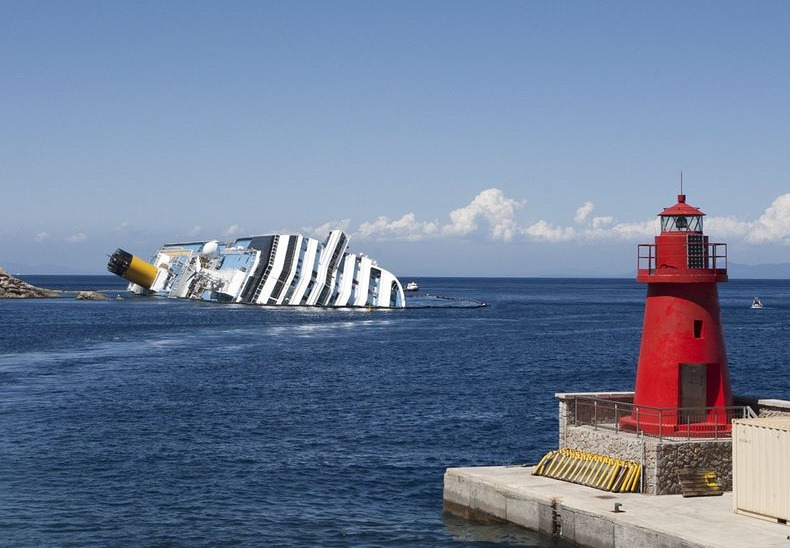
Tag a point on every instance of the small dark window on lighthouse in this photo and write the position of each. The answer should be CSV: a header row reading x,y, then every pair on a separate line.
x,y
697,329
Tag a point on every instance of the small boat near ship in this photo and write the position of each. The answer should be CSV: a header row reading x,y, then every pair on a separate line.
x,y
275,269
756,303
412,286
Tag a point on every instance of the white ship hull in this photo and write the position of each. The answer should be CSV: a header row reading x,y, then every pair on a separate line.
x,y
278,269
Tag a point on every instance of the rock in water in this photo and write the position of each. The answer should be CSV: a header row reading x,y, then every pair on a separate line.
x,y
14,288
90,296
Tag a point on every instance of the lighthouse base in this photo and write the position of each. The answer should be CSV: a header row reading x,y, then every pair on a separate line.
x,y
673,429
600,422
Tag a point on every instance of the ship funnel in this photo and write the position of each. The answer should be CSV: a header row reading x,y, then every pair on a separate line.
x,y
132,268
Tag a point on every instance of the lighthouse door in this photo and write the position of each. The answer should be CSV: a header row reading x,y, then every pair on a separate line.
x,y
693,391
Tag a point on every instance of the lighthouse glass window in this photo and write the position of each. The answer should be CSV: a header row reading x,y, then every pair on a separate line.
x,y
681,223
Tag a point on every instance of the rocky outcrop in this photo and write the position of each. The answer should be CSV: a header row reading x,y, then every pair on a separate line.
x,y
90,296
14,288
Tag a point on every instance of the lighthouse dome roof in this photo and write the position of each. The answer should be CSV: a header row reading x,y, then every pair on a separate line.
x,y
681,208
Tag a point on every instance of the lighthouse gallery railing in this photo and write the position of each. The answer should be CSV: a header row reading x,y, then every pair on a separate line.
x,y
687,423
700,258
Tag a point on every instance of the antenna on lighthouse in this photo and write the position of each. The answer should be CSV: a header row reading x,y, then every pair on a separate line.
x,y
681,182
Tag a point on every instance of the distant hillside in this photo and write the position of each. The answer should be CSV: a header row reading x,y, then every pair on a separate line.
x,y
47,268
735,270
759,271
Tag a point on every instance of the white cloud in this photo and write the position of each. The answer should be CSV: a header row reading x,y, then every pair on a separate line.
x,y
41,236
543,231
601,222
490,207
632,231
599,227
405,228
774,224
77,238
495,215
726,227
233,231
583,211
489,211
320,232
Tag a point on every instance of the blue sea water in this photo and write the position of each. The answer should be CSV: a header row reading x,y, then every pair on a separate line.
x,y
154,422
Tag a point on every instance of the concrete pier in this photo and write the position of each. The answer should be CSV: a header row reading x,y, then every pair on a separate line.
x,y
586,516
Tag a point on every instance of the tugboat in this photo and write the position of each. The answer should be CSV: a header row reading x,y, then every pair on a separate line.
x,y
756,303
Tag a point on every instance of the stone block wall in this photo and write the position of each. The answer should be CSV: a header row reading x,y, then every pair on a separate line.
x,y
707,455
616,445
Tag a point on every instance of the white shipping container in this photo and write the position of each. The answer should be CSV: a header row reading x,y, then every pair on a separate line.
x,y
761,467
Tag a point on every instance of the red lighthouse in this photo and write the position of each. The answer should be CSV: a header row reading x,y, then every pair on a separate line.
x,y
682,379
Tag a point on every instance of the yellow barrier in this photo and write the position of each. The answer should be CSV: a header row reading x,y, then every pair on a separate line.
x,y
590,469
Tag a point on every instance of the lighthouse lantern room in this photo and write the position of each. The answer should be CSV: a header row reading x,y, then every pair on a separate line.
x,y
682,378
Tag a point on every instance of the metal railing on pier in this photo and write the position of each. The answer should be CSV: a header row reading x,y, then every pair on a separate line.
x,y
664,423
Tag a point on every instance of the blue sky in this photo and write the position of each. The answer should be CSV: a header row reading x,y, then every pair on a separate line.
x,y
447,138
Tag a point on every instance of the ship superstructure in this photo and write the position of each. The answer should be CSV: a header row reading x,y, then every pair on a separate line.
x,y
276,269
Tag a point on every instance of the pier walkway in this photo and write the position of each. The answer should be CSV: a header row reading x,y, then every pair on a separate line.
x,y
586,516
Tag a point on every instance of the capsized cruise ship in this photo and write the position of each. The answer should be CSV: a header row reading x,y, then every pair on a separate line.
x,y
277,269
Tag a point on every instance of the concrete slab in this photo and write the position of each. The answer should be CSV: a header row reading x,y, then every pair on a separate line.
x,y
585,515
